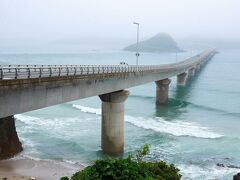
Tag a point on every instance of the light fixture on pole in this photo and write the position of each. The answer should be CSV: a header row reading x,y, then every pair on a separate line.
x,y
137,53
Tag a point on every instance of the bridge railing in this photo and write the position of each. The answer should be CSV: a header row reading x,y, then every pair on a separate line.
x,y
49,71
39,71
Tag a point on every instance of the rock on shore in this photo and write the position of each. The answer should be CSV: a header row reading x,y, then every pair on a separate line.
x,y
9,141
236,177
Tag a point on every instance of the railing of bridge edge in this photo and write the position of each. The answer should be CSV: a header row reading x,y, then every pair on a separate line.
x,y
39,71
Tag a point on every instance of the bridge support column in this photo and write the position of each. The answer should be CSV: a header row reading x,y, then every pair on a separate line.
x,y
9,142
191,72
181,79
198,67
162,91
113,122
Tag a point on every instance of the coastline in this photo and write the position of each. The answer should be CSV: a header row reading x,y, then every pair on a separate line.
x,y
25,168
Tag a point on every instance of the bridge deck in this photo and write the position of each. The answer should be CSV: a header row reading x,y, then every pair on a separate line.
x,y
8,72
26,88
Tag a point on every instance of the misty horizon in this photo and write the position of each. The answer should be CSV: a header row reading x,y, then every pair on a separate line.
x,y
109,25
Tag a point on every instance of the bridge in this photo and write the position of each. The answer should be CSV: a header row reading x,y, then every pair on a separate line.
x,y
29,87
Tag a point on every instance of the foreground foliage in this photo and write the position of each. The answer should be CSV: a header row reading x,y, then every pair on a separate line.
x,y
132,167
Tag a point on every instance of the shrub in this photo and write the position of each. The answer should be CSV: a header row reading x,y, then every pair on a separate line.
x,y
132,168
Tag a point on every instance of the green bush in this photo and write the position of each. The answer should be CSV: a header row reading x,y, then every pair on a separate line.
x,y
132,168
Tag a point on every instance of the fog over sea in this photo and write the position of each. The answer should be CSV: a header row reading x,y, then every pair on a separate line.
x,y
196,131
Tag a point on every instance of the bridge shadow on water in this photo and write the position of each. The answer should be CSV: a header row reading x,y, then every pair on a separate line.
x,y
178,102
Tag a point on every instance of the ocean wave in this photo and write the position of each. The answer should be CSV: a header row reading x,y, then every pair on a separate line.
x,y
26,119
176,128
45,122
87,109
58,127
207,172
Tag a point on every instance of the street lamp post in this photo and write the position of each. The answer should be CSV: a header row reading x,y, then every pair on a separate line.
x,y
137,53
176,56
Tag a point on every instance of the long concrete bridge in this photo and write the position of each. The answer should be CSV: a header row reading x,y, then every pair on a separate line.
x,y
29,87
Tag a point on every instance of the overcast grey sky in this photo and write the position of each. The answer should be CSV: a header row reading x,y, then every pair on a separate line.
x,y
54,19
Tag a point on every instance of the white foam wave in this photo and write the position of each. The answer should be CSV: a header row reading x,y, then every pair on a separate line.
x,y
45,122
176,128
59,127
87,109
26,119
207,172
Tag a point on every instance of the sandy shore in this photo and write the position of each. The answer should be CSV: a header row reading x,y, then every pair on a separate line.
x,y
24,169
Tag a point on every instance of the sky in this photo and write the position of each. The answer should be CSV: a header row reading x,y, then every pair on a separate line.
x,y
57,19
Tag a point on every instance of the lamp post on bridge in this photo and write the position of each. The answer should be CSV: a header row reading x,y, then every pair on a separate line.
x,y
137,51
176,55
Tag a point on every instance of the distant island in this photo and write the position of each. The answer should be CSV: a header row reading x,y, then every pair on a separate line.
x,y
160,43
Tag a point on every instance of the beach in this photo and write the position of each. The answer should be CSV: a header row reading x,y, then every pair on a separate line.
x,y
25,169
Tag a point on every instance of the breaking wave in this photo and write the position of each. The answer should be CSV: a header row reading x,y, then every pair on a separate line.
x,y
176,128
208,172
87,109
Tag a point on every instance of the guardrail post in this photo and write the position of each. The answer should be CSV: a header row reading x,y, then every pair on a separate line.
x,y
1,73
50,72
81,70
67,71
40,72
75,71
29,73
16,73
87,69
59,71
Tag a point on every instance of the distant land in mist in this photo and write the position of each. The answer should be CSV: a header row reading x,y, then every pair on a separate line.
x,y
160,43
83,44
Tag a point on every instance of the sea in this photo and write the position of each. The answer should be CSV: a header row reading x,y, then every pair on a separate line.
x,y
198,131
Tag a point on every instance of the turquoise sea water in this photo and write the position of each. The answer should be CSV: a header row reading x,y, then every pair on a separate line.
x,y
198,129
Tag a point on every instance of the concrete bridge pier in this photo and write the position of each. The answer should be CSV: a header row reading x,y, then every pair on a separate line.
x,y
191,72
9,141
198,67
113,122
162,91
182,79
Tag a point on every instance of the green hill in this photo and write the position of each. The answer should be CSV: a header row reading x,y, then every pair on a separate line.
x,y
161,42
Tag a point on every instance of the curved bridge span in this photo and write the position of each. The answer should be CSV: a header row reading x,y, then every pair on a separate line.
x,y
29,87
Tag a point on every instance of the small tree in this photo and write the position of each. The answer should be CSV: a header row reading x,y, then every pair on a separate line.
x,y
133,168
